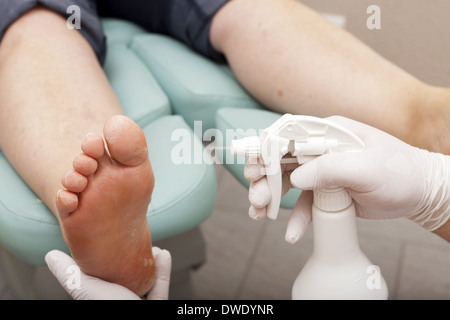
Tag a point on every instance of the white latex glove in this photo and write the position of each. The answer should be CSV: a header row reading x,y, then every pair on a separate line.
x,y
259,196
64,268
390,179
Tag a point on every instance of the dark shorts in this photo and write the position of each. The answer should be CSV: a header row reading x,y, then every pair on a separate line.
x,y
186,20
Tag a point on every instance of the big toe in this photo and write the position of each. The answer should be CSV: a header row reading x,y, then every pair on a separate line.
x,y
126,141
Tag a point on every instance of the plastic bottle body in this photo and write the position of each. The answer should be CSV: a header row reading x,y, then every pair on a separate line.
x,y
337,268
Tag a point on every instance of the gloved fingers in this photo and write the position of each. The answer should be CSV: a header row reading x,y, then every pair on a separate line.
x,y
259,193
81,286
308,176
257,213
334,169
60,264
300,218
163,264
253,171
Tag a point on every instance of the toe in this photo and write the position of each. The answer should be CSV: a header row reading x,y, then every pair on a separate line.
x,y
126,141
74,181
66,202
85,164
93,146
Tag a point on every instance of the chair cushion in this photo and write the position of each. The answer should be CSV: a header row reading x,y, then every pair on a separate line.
x,y
141,97
184,196
119,31
196,86
185,193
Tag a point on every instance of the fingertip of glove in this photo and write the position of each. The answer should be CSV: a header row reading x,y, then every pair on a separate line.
x,y
52,256
291,238
296,176
166,254
259,194
304,177
160,252
257,213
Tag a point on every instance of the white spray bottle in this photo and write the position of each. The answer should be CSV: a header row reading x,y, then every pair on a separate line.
x,y
337,268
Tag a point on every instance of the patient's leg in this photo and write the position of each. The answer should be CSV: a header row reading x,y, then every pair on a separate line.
x,y
52,92
293,60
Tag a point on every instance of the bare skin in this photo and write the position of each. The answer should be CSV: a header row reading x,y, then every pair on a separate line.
x,y
444,231
103,209
52,92
294,61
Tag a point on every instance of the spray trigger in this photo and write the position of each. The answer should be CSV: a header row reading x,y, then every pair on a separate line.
x,y
293,139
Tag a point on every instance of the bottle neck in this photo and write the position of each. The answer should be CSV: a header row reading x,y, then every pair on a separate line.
x,y
335,234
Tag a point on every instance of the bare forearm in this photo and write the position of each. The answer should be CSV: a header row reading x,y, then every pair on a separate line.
x,y
444,231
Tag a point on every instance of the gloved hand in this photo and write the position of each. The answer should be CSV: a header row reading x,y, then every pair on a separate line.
x,y
390,179
90,288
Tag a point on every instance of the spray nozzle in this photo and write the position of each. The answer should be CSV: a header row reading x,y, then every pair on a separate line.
x,y
302,137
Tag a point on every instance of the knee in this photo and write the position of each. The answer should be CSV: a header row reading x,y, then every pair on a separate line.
x,y
38,16
237,15
24,29
230,19
221,25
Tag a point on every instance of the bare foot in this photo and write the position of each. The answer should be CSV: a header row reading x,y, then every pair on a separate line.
x,y
103,211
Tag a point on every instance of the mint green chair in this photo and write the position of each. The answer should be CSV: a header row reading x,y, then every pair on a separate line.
x,y
201,90
184,195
